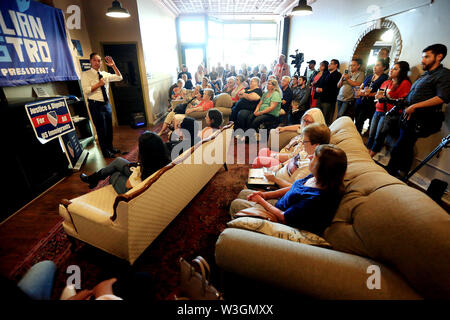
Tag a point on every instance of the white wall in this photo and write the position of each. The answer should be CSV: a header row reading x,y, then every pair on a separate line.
x,y
328,34
159,42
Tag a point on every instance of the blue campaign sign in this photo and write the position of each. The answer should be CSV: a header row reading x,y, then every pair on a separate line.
x,y
50,119
33,44
73,147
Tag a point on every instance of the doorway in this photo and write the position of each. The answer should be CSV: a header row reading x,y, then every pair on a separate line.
x,y
192,56
128,98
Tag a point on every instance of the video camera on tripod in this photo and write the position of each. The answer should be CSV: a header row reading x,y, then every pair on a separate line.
x,y
297,61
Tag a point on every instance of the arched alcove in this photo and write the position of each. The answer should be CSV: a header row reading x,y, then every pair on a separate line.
x,y
371,35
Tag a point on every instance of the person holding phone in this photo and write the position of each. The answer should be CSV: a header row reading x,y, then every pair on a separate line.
x,y
348,85
397,87
365,104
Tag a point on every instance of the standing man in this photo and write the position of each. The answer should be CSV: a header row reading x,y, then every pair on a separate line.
x,y
330,91
281,69
348,85
424,114
95,86
310,72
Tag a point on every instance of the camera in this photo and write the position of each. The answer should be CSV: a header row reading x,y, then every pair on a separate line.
x,y
297,60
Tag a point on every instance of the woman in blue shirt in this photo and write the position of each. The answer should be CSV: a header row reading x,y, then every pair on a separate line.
x,y
310,203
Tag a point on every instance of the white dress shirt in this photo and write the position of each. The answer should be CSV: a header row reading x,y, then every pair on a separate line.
x,y
90,78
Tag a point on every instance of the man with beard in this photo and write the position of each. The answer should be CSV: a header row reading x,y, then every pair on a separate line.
x,y
425,101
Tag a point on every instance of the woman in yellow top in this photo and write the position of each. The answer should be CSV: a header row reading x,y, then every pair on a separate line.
x,y
267,110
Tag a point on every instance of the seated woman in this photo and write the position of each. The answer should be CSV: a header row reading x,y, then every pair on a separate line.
x,y
267,110
396,87
287,138
239,87
179,91
229,87
181,109
214,119
206,102
185,136
124,175
187,82
263,81
285,174
310,203
206,84
248,100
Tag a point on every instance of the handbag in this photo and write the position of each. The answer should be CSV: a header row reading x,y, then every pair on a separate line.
x,y
255,212
196,285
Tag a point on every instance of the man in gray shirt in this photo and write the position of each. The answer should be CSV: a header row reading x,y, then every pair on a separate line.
x,y
348,85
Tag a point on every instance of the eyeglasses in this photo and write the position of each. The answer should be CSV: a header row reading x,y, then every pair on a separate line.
x,y
305,141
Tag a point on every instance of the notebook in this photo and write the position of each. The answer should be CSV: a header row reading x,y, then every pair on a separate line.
x,y
256,178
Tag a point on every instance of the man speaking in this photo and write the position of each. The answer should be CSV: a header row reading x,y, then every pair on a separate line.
x,y
95,86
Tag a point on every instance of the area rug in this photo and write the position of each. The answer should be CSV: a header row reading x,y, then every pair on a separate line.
x,y
193,232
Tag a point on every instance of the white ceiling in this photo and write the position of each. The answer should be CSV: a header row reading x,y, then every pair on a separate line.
x,y
231,7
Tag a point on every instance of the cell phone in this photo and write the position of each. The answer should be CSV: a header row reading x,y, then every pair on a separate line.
x,y
346,71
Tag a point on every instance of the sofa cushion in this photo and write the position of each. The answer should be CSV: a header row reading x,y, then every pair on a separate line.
x,y
278,230
382,218
223,100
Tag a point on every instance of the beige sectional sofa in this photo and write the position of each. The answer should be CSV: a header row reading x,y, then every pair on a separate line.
x,y
381,221
125,225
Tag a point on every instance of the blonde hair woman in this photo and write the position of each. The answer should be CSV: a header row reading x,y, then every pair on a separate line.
x,y
282,136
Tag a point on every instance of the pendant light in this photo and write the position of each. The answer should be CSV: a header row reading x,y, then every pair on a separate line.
x,y
302,9
116,11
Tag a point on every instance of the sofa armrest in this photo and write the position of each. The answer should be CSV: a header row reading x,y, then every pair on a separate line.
x,y
309,270
89,212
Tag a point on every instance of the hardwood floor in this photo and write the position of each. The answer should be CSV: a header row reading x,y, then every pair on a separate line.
x,y
26,227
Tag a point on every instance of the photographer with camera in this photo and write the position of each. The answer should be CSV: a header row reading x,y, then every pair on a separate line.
x,y
424,115
281,69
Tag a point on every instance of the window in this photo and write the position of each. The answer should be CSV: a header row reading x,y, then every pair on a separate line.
x,y
192,30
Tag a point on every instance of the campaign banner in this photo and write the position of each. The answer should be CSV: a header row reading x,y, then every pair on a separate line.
x,y
33,44
50,119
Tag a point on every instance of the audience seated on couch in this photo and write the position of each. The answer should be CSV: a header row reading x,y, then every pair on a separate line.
x,y
177,113
178,92
248,100
285,139
297,167
310,203
124,175
267,111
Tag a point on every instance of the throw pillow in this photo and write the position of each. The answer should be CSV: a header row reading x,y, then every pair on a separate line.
x,y
278,230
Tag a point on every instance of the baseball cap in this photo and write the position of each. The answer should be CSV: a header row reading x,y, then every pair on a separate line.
x,y
312,61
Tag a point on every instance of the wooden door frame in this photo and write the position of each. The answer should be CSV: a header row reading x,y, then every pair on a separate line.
x,y
113,107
